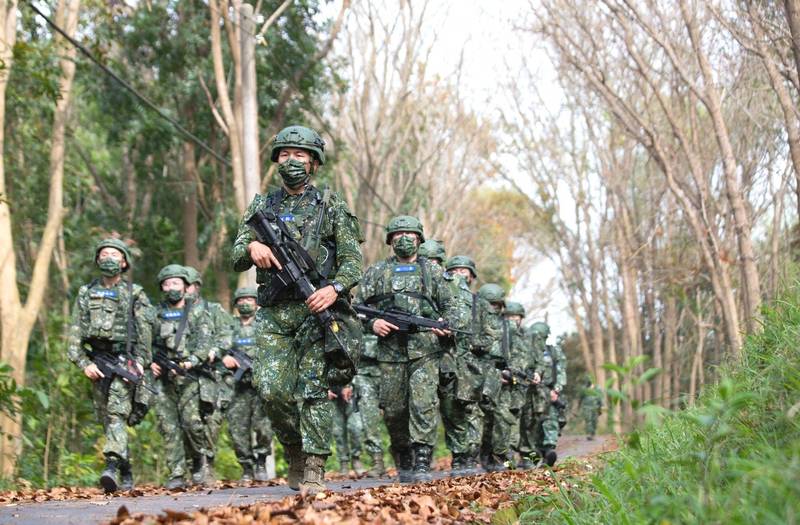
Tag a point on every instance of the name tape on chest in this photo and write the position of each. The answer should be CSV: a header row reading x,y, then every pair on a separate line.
x,y
245,341
104,294
286,217
405,268
171,315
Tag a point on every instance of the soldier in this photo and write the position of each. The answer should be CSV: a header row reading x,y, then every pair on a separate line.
x,y
591,406
409,362
496,394
181,341
297,358
109,317
540,426
460,385
215,392
563,406
368,385
523,366
246,414
347,428
433,250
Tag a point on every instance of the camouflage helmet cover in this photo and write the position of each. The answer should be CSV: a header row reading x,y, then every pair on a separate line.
x,y
194,275
461,261
514,308
298,137
247,291
404,223
433,249
492,292
539,328
117,245
173,270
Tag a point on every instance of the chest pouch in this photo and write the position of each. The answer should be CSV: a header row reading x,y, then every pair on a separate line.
x,y
103,306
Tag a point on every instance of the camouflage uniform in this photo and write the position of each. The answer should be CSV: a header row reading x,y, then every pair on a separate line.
x,y
100,320
347,429
523,361
291,369
248,424
409,363
368,385
591,406
182,405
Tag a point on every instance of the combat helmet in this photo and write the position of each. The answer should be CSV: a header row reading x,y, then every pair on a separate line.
x,y
461,261
247,291
514,308
173,270
433,249
404,223
117,245
492,292
194,275
539,328
298,137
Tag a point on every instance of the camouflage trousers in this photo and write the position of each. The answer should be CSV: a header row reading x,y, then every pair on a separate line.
x,y
410,401
497,422
368,384
546,428
459,394
183,423
248,424
590,416
517,401
289,372
347,429
112,404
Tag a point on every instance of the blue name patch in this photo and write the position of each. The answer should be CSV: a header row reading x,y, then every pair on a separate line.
x,y
174,314
405,268
246,341
113,294
287,217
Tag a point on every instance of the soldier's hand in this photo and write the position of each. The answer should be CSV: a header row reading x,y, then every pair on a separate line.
x,y
441,333
186,365
93,373
322,299
383,328
156,369
536,378
211,356
262,256
553,396
230,362
347,393
331,395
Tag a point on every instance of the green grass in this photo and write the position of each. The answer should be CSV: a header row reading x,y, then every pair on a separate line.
x,y
733,458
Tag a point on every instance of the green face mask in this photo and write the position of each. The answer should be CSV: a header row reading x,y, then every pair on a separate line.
x,y
293,173
109,266
404,246
246,309
173,296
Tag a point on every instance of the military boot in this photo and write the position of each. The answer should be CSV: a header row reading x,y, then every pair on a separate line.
x,y
296,460
498,463
404,461
357,466
247,472
457,464
525,463
313,474
549,456
175,483
260,472
204,473
471,466
108,479
344,468
377,470
422,463
125,476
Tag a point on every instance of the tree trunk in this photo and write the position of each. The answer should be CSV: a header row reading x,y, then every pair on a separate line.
x,y
190,178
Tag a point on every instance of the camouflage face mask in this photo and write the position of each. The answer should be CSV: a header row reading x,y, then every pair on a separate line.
x,y
404,246
109,266
173,296
293,173
246,309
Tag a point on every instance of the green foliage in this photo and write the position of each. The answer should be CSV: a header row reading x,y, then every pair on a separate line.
x,y
733,458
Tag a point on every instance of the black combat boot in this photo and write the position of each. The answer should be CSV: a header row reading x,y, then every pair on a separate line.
x,y
108,479
498,463
422,463
471,466
526,463
458,464
549,456
175,483
404,461
125,475
247,472
260,470
378,470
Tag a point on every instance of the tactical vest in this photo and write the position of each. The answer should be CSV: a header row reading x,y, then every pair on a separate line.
x,y
407,288
108,311
165,335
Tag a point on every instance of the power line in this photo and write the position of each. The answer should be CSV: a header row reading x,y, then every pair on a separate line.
x,y
188,134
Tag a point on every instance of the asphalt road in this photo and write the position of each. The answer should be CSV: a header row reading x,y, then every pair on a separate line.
x,y
83,511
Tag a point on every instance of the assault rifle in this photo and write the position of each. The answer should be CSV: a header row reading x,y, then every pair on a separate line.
x,y
167,365
512,375
297,266
244,360
118,365
404,322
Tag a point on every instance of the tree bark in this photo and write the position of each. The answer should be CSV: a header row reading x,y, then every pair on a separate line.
x,y
190,178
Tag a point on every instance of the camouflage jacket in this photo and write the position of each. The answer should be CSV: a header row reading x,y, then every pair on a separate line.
x,y
471,316
521,355
101,314
554,368
417,288
195,343
221,326
591,399
337,254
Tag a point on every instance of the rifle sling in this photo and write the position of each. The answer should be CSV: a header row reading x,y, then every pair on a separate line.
x,y
182,325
